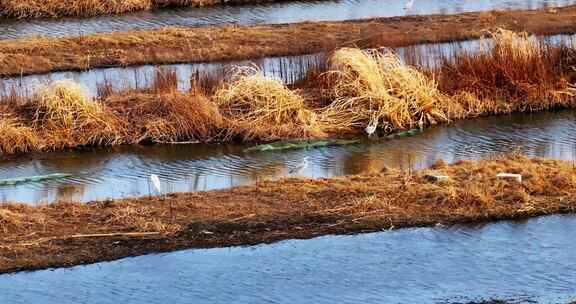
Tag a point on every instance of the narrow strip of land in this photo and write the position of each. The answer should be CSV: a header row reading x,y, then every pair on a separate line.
x,y
29,9
179,45
66,234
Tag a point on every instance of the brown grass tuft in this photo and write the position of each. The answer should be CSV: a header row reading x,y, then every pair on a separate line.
x,y
263,108
373,87
67,118
59,8
171,117
9,220
516,73
15,137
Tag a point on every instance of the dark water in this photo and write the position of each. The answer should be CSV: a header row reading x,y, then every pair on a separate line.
x,y
530,260
289,69
124,171
279,12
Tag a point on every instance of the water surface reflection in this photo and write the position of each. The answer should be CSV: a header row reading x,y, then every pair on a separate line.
x,y
266,13
124,171
530,260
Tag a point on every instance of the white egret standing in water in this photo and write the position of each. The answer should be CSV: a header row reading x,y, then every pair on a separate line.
x,y
156,183
300,167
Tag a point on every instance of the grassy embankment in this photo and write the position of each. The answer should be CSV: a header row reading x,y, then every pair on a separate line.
x,y
65,234
357,88
177,45
27,9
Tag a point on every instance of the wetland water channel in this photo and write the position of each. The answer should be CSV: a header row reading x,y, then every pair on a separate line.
x,y
124,171
290,69
267,13
526,261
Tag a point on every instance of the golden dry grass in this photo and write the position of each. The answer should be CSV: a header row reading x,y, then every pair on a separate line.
x,y
139,218
263,108
375,87
291,208
360,88
15,137
516,73
86,8
67,118
167,117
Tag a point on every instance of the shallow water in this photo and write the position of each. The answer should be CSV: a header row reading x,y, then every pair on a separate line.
x,y
289,69
271,13
529,260
124,171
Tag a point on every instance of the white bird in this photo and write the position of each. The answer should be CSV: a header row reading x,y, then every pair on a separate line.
x,y
300,167
156,182
371,128
409,5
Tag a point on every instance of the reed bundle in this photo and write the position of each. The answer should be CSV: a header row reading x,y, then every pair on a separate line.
x,y
15,137
374,87
66,117
261,107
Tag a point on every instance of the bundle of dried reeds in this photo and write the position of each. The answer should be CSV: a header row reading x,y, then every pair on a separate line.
x,y
15,137
67,118
260,107
373,87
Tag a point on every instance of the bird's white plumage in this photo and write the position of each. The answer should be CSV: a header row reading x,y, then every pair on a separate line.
x,y
156,182
300,167
409,5
371,128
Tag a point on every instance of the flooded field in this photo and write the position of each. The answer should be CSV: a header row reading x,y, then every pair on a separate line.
x,y
124,171
271,13
526,261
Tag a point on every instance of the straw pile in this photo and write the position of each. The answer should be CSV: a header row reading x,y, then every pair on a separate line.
x,y
67,118
373,87
15,137
263,108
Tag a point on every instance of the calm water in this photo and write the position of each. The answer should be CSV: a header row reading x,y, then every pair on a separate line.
x,y
289,69
280,12
530,260
124,171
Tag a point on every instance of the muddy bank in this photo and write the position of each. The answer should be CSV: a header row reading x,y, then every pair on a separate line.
x,y
180,45
68,234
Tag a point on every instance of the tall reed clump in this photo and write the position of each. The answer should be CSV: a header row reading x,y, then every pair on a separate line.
x,y
168,117
373,87
65,117
263,108
513,72
15,137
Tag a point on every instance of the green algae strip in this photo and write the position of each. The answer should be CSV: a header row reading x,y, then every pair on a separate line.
x,y
300,144
32,179
409,133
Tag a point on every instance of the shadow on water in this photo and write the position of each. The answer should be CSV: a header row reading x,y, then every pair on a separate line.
x,y
520,262
123,171
264,13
